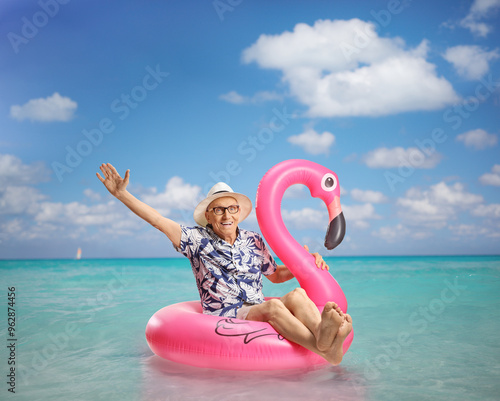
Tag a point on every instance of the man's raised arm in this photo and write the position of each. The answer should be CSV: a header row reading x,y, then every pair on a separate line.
x,y
117,186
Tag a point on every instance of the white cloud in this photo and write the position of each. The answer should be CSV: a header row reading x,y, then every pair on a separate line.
x,y
491,211
305,218
398,232
295,191
312,142
478,139
492,178
355,215
77,213
472,230
14,172
176,195
358,215
434,207
27,215
368,196
52,108
11,228
92,195
391,233
308,218
470,62
266,96
454,195
480,9
19,200
398,157
467,230
73,219
234,97
334,73
260,97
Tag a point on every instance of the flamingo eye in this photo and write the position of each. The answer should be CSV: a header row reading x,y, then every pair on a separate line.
x,y
329,182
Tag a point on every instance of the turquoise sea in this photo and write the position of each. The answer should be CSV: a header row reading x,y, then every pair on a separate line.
x,y
426,328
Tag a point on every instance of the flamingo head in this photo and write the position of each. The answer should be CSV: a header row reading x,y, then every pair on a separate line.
x,y
324,184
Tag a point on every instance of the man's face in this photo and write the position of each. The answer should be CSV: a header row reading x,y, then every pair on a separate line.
x,y
225,224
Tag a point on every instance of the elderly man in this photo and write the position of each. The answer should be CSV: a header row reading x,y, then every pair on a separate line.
x,y
228,263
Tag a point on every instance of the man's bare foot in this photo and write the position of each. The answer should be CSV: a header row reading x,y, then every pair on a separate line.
x,y
336,352
331,320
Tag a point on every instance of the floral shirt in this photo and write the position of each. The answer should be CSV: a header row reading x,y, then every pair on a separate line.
x,y
227,275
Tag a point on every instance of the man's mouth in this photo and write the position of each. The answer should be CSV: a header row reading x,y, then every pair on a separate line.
x,y
227,224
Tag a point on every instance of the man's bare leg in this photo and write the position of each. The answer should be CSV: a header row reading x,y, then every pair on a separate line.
x,y
301,306
323,326
290,327
284,322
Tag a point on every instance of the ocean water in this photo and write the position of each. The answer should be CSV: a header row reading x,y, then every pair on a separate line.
x,y
426,328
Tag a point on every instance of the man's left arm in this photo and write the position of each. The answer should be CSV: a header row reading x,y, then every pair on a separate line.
x,y
283,274
280,275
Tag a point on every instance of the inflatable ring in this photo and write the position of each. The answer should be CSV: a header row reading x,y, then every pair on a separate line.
x,y
182,333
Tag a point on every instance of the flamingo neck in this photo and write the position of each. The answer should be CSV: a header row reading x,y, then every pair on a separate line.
x,y
269,196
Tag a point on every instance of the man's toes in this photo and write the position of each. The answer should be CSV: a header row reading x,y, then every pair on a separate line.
x,y
345,328
339,311
328,328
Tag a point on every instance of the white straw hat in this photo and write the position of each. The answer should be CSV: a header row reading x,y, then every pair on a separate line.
x,y
220,190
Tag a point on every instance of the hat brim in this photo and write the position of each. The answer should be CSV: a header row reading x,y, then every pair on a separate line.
x,y
243,200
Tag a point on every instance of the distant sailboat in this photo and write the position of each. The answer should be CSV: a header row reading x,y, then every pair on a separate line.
x,y
79,253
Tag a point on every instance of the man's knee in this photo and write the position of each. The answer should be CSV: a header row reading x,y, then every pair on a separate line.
x,y
275,308
299,292
297,295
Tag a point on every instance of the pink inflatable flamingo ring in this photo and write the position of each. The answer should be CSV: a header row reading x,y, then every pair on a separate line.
x,y
182,333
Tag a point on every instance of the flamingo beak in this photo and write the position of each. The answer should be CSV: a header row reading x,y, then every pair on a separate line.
x,y
336,228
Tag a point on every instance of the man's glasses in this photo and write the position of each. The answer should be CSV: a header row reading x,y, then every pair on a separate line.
x,y
219,210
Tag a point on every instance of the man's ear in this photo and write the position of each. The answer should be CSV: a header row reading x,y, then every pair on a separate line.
x,y
207,215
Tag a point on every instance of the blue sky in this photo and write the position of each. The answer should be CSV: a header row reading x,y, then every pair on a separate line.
x,y
399,98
